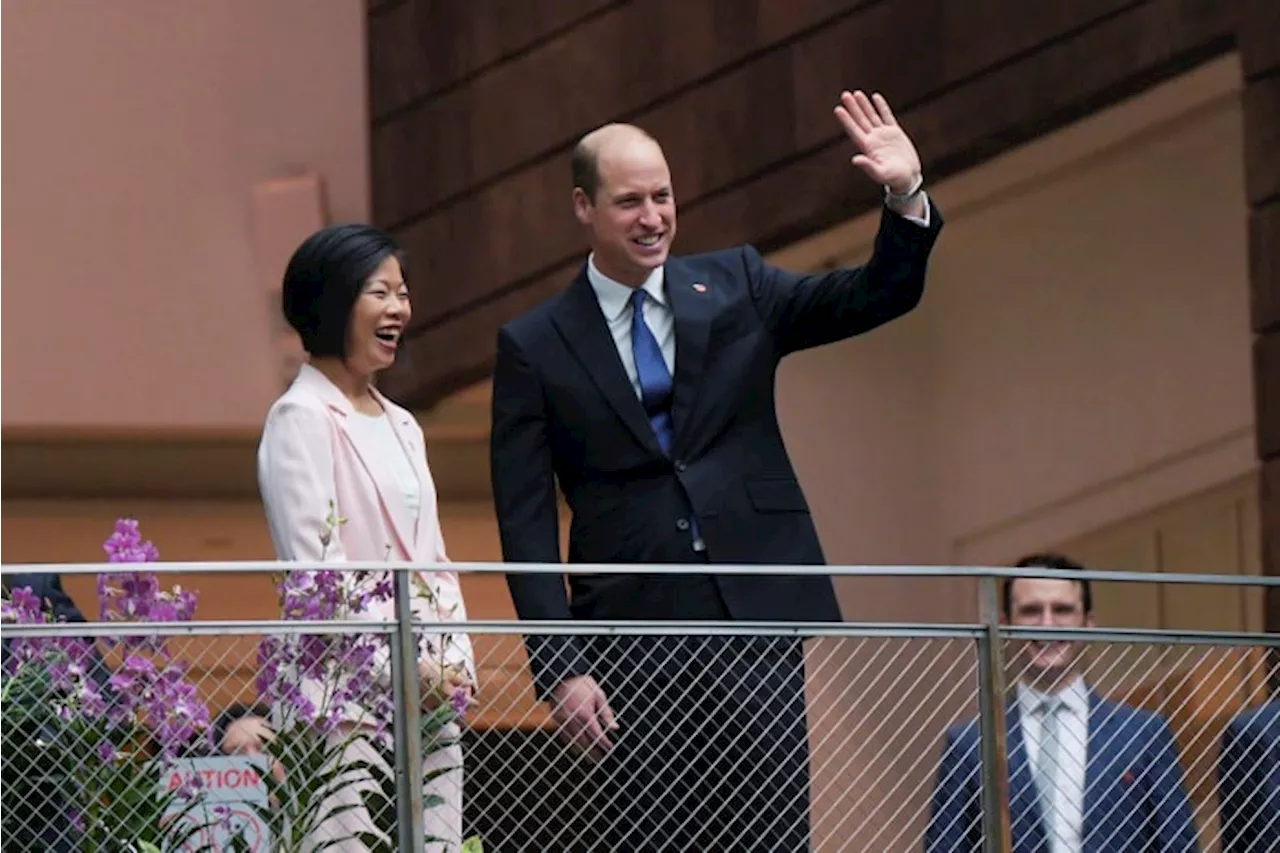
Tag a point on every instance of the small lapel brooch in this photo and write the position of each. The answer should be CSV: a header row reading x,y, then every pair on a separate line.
x,y
700,287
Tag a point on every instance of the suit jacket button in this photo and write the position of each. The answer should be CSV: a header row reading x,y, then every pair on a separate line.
x,y
682,524
680,467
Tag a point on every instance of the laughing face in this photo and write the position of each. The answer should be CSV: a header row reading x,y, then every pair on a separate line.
x,y
378,319
632,217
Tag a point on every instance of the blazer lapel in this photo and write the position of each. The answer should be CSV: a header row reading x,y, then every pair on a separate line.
x,y
585,332
1025,818
693,305
392,501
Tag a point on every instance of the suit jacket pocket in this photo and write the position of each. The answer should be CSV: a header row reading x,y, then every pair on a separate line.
x,y
776,494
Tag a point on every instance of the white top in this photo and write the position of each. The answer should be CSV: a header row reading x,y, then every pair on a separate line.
x,y
376,431
1064,824
615,303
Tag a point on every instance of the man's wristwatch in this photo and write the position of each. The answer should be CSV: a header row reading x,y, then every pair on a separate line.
x,y
898,199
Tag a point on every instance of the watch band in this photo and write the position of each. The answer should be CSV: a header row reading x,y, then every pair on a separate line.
x,y
891,197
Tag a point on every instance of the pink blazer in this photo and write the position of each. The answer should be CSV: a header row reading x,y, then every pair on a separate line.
x,y
308,458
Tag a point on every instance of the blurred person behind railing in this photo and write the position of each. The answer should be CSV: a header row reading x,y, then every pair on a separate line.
x,y
47,819
1086,775
1249,781
344,476
245,730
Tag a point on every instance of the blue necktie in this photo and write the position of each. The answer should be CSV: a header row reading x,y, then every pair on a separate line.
x,y
651,370
655,386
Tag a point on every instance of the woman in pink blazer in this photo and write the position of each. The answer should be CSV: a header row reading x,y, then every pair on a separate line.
x,y
333,442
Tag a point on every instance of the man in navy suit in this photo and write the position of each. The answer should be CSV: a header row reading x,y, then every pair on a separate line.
x,y
647,391
1249,781
1085,775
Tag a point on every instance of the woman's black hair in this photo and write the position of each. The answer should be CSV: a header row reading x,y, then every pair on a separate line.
x,y
324,279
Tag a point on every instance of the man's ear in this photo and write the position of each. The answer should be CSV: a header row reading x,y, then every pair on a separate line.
x,y
582,206
1088,621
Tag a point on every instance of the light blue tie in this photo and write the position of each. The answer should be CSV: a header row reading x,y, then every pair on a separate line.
x,y
655,386
1049,765
651,370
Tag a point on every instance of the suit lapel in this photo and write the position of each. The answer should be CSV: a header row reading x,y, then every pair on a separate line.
x,y
692,304
1025,819
587,336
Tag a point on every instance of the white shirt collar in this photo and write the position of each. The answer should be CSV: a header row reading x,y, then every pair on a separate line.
x,y
1075,698
613,296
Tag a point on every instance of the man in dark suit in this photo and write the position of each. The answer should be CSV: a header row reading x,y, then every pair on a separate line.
x,y
647,390
1085,775
1249,781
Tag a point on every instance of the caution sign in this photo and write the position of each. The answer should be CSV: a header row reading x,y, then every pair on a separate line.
x,y
227,787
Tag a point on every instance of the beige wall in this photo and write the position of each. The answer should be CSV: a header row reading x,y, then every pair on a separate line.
x,y
134,135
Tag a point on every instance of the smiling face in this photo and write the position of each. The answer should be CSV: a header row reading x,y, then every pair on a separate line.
x,y
632,216
1048,603
378,319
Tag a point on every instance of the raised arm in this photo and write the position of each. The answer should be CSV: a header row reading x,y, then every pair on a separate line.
x,y
810,310
804,311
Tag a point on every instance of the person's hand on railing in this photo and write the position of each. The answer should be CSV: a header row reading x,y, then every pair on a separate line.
x,y
585,719
445,683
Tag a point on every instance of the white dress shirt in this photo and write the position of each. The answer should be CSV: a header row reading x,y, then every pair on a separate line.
x,y
615,303
1064,824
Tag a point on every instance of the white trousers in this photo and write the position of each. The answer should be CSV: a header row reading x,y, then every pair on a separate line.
x,y
443,821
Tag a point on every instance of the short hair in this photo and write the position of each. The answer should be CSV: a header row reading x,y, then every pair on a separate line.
x,y
324,279
1048,560
584,164
585,167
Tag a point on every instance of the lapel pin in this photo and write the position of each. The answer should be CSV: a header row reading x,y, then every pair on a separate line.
x,y
700,287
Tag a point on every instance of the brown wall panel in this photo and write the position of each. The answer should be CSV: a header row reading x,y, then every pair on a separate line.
x,y
956,131
1259,37
1269,518
1259,45
1266,362
1262,139
419,47
532,108
718,134
1264,267
779,196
